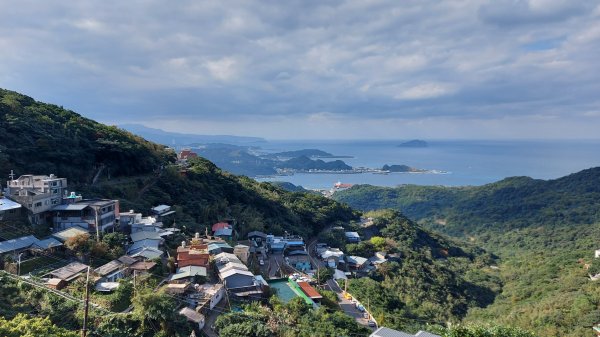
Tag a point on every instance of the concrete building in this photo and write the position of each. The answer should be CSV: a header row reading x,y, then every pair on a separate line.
x,y
94,215
38,194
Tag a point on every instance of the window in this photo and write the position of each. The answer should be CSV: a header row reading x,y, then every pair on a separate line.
x,y
38,204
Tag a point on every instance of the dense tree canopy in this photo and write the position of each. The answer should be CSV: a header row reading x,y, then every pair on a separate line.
x,y
43,138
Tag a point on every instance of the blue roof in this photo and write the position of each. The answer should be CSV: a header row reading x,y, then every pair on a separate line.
x,y
147,252
18,243
224,232
148,243
48,243
7,204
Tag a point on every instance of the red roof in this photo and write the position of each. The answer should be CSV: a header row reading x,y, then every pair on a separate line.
x,y
220,225
185,154
192,258
309,290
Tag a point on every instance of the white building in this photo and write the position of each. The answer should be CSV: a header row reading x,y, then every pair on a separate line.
x,y
38,194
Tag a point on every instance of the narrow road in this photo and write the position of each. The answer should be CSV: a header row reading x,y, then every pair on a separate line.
x,y
211,317
347,306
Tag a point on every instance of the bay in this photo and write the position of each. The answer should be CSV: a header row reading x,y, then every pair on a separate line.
x,y
467,162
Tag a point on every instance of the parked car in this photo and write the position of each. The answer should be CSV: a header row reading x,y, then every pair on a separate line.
x,y
261,262
372,324
366,315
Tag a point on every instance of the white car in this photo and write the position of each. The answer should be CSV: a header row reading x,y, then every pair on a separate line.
x,y
261,262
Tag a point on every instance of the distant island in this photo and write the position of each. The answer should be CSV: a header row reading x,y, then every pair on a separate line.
x,y
414,143
401,168
311,153
303,163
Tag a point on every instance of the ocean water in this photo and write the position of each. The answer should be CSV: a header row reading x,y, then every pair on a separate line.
x,y
470,162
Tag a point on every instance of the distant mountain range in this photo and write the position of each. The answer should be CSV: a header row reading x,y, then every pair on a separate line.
x,y
182,139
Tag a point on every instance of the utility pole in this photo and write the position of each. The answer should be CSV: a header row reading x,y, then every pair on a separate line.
x,y
134,275
86,304
19,265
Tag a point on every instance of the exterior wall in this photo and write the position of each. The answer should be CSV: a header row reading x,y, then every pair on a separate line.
x,y
107,215
217,297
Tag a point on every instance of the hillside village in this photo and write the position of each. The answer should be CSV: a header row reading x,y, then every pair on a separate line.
x,y
92,242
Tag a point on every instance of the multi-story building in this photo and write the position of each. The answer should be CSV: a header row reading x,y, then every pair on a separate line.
x,y
38,194
95,215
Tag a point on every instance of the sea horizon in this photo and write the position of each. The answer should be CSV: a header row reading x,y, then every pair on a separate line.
x,y
467,162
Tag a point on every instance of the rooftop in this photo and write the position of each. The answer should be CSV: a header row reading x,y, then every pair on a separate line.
x,y
108,268
69,233
7,204
143,235
16,244
232,272
192,315
147,253
70,271
189,271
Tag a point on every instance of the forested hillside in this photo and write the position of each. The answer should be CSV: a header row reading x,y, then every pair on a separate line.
x,y
43,138
545,232
204,194
435,280
511,203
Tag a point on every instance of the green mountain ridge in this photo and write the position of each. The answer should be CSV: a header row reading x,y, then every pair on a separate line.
x,y
40,137
544,231
514,202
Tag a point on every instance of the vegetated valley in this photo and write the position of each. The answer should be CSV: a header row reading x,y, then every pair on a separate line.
x,y
543,231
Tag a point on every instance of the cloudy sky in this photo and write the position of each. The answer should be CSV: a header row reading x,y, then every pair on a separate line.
x,y
314,69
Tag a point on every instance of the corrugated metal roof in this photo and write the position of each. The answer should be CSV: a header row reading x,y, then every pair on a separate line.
x,y
70,271
192,315
146,243
232,272
143,235
108,268
147,253
309,290
7,204
69,233
189,271
18,243
48,243
70,207
357,260
224,232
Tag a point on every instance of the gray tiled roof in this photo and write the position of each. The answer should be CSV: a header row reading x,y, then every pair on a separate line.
x,y
387,332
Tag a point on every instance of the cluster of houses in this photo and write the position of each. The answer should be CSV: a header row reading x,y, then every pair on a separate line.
x,y
360,266
208,268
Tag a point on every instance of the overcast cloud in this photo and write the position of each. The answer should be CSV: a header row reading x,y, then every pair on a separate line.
x,y
324,69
